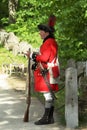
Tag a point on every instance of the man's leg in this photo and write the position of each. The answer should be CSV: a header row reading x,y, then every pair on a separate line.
x,y
49,109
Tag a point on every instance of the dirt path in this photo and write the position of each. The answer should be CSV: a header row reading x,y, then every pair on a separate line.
x,y
12,82
13,105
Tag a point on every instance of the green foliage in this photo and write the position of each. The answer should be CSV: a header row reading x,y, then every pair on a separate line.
x,y
74,29
3,12
71,25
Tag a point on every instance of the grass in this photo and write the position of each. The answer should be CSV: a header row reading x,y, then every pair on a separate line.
x,y
7,57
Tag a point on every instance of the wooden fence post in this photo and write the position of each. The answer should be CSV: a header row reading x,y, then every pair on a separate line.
x,y
71,98
86,68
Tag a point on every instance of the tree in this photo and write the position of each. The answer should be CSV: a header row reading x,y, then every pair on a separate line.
x,y
72,28
71,25
12,6
3,12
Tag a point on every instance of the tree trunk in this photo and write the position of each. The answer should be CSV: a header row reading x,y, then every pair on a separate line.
x,y
12,6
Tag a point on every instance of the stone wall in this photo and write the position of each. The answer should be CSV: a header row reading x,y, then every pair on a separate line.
x,y
12,43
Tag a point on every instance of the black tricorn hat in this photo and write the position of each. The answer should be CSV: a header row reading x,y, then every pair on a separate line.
x,y
50,26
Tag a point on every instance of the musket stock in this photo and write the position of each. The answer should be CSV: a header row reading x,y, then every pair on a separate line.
x,y
26,115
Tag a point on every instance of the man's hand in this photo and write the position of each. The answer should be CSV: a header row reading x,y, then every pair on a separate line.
x,y
27,54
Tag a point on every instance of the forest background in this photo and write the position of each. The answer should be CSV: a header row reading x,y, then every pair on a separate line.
x,y
22,18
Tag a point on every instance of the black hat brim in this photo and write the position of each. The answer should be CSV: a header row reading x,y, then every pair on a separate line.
x,y
44,27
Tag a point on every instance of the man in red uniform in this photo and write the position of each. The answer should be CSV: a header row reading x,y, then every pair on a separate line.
x,y
46,59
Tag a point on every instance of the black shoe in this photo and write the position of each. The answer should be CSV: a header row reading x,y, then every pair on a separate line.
x,y
47,117
44,122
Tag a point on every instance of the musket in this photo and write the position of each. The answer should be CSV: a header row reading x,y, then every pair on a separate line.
x,y
44,74
26,115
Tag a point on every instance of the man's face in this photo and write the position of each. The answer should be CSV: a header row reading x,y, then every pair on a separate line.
x,y
43,34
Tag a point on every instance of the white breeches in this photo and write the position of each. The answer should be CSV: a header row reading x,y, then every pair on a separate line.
x,y
49,102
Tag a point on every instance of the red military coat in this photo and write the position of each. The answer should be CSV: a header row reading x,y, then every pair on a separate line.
x,y
48,51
